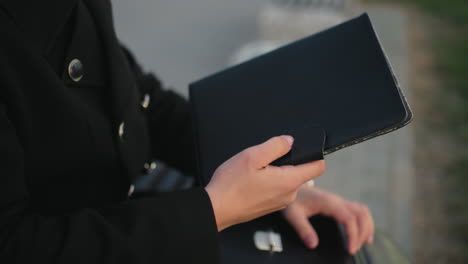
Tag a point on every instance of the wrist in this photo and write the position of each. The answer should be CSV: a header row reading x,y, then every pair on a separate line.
x,y
216,204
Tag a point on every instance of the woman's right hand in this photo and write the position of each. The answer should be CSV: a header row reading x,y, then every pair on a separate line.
x,y
246,186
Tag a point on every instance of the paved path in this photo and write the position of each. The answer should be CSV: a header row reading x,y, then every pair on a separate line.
x,y
183,40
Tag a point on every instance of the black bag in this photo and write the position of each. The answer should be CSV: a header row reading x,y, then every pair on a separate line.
x,y
238,246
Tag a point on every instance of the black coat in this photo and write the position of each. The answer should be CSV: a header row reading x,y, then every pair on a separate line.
x,y
74,134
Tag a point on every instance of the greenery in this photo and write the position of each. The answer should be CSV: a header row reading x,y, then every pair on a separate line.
x,y
451,65
452,60
454,10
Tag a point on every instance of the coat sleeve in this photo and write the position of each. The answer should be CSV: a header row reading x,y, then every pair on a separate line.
x,y
177,228
169,117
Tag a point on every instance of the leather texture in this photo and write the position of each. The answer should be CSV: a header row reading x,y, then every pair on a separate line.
x,y
308,145
237,244
338,79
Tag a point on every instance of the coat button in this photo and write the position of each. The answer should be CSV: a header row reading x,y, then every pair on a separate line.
x,y
146,101
131,190
121,131
75,70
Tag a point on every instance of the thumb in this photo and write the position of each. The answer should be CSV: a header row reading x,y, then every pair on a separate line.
x,y
267,152
304,229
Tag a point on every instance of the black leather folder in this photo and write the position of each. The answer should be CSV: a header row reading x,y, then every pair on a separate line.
x,y
330,90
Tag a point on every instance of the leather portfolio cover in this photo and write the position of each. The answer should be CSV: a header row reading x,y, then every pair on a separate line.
x,y
329,90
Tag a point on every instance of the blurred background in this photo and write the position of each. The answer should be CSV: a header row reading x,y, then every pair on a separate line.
x,y
414,179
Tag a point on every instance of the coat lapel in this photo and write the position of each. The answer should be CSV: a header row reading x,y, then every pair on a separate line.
x,y
41,30
119,72
122,90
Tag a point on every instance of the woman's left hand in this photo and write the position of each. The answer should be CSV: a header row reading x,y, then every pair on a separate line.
x,y
310,201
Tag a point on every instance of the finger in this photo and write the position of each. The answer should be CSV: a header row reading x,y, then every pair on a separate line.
x,y
270,150
304,229
344,216
370,227
370,236
363,222
367,223
351,227
305,172
370,240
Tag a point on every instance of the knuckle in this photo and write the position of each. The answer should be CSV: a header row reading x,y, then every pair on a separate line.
x,y
289,186
361,208
353,218
321,167
248,155
291,198
288,199
285,189
294,196
349,219
365,209
333,200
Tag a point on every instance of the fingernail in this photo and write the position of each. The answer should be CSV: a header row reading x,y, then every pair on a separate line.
x,y
371,239
290,139
310,241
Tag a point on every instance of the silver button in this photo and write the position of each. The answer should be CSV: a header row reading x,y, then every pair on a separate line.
x,y
75,70
146,101
121,130
268,241
131,190
149,167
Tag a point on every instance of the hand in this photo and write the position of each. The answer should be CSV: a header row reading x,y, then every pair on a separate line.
x,y
246,186
355,217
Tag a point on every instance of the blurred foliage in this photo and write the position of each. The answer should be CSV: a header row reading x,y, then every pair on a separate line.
x,y
452,66
454,10
450,43
451,47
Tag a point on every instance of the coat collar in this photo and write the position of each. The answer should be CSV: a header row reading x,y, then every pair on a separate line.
x,y
41,20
